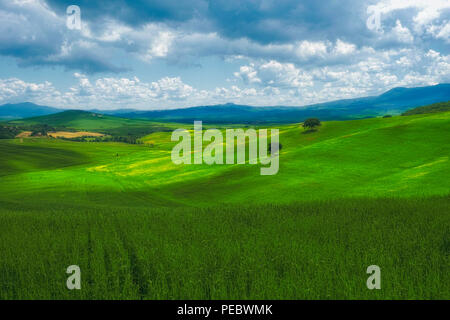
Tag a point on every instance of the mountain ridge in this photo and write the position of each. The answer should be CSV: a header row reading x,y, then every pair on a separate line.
x,y
394,101
10,111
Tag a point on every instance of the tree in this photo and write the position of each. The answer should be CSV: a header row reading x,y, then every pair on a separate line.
x,y
311,123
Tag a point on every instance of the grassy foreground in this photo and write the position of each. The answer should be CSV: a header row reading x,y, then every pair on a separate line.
x,y
305,251
353,194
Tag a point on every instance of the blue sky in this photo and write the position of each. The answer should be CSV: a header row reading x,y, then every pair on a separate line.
x,y
174,53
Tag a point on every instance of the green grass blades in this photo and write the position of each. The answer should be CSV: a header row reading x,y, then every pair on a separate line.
x,y
312,250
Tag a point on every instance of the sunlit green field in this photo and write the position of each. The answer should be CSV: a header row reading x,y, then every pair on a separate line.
x,y
352,194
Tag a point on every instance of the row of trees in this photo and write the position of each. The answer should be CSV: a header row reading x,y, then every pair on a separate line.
x,y
41,129
7,132
10,131
124,139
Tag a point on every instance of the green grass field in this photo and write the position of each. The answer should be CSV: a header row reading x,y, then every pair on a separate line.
x,y
352,194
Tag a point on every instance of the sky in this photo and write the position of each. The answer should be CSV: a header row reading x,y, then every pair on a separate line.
x,y
177,53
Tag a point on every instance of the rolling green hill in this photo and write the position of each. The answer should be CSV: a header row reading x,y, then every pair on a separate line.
x,y
84,120
352,194
91,121
433,108
377,157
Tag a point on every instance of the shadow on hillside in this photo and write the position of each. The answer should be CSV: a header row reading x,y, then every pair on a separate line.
x,y
309,131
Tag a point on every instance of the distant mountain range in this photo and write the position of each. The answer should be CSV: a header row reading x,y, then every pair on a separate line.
x,y
393,102
25,110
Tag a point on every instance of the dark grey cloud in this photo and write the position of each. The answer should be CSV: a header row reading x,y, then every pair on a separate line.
x,y
36,36
22,33
263,21
303,32
285,21
138,12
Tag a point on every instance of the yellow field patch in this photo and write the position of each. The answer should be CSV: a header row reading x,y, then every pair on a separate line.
x,y
145,163
66,134
24,134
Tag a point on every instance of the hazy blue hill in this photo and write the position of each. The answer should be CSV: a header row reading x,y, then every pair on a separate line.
x,y
406,98
231,113
394,101
24,110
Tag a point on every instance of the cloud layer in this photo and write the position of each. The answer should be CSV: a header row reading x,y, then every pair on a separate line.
x,y
276,52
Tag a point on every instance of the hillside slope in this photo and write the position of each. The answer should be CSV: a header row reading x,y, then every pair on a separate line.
x,y
77,119
90,121
352,194
398,156
433,108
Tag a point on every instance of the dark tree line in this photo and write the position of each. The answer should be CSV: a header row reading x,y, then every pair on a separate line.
x,y
8,132
41,130
123,139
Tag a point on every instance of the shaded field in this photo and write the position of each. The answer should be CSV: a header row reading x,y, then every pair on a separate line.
x,y
306,251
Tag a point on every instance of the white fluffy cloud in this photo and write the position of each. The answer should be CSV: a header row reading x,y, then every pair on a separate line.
x,y
261,82
113,92
308,49
427,16
275,74
441,32
16,90
402,33
375,73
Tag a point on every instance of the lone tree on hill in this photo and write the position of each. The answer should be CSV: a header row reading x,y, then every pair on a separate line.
x,y
311,123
